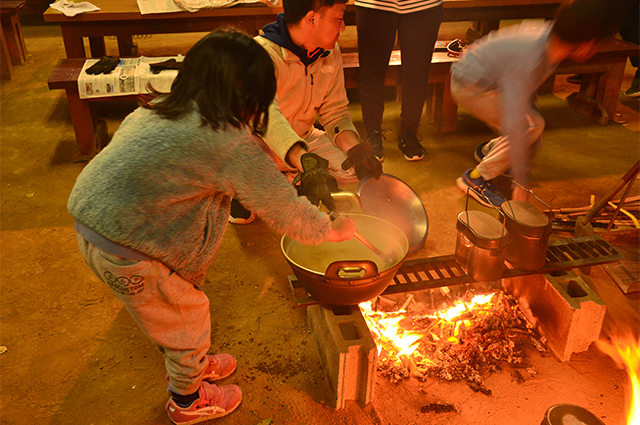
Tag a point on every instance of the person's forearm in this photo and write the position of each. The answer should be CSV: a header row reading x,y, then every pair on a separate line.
x,y
346,140
294,154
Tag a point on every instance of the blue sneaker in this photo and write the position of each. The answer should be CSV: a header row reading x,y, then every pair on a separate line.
x,y
484,191
483,150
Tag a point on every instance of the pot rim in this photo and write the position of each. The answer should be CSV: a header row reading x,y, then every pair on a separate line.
x,y
403,238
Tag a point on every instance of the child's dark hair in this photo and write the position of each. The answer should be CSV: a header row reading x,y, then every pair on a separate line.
x,y
231,79
579,21
295,10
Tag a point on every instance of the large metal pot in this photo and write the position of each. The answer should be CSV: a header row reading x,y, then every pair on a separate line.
x,y
347,273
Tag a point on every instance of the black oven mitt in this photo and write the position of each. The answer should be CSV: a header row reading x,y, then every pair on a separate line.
x,y
105,65
161,66
366,164
315,181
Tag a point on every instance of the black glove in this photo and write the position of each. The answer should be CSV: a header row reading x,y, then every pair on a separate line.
x,y
105,65
161,66
315,181
361,157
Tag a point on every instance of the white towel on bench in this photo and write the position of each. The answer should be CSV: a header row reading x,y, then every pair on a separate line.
x,y
70,8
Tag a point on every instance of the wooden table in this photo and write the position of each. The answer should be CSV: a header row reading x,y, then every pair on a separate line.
x,y
122,18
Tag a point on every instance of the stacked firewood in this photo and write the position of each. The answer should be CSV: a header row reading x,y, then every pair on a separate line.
x,y
475,343
627,217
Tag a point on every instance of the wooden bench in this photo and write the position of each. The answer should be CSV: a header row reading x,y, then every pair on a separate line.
x,y
91,133
13,47
597,99
601,79
441,110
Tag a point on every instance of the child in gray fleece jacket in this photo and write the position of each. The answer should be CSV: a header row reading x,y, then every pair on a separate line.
x,y
152,207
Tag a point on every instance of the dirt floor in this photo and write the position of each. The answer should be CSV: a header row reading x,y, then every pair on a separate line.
x,y
75,356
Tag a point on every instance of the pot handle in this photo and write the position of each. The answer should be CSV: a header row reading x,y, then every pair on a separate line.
x,y
350,270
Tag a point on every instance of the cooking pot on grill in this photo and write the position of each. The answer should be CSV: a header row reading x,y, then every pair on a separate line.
x,y
346,273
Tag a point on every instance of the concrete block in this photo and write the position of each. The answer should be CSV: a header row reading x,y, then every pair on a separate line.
x,y
347,351
562,307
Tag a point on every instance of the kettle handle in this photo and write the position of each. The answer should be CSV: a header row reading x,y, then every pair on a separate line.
x,y
350,270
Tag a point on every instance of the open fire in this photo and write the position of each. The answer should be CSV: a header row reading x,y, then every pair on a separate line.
x,y
474,335
625,351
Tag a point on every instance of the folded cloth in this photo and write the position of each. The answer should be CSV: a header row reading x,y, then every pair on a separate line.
x,y
70,8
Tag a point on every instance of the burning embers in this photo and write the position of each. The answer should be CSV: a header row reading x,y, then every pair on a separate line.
x,y
474,335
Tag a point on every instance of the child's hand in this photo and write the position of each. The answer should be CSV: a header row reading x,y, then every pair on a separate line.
x,y
342,229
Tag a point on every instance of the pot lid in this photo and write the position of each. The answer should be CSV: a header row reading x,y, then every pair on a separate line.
x,y
525,218
482,229
392,200
561,414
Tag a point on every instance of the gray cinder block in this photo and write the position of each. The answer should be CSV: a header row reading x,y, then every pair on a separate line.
x,y
347,351
562,307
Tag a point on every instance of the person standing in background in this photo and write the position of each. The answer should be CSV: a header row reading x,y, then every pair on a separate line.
x,y
630,31
416,23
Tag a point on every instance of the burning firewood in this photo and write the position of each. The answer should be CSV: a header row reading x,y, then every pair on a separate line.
x,y
474,337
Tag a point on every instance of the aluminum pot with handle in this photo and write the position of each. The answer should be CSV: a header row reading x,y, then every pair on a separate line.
x,y
347,273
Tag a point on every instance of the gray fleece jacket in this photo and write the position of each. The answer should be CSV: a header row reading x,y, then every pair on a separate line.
x,y
163,188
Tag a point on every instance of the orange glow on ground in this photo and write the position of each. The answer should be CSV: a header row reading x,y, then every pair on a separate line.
x,y
625,351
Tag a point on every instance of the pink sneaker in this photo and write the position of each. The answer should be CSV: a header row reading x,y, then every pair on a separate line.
x,y
220,366
214,402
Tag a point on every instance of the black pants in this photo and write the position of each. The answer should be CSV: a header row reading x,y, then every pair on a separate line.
x,y
629,30
417,34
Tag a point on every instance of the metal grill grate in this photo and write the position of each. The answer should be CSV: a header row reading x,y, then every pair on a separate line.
x,y
444,271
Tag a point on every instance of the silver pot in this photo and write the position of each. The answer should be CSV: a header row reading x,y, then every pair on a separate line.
x,y
347,273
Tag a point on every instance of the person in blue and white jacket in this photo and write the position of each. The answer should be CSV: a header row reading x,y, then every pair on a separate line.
x,y
303,43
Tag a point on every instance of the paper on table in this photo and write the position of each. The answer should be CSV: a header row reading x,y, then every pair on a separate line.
x,y
130,77
158,6
70,8
195,5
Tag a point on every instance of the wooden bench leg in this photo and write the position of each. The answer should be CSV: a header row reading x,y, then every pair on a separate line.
x,y
430,109
14,38
73,44
84,121
125,45
599,92
6,69
97,47
485,27
547,86
446,109
609,93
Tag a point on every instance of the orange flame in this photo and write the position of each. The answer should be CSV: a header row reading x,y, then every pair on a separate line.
x,y
398,341
625,352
